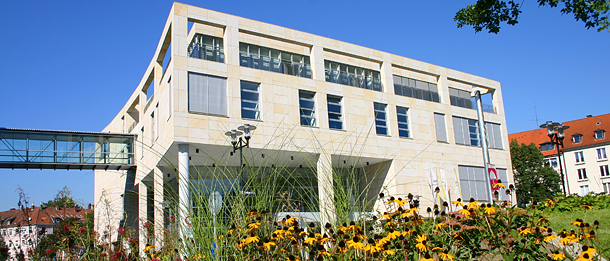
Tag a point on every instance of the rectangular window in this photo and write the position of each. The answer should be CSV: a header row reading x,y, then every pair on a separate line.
x,y
335,118
473,183
207,94
460,98
307,108
273,60
494,135
601,154
466,131
584,190
142,144
604,171
606,187
408,87
599,134
580,158
170,108
553,162
403,122
576,138
352,75
250,101
547,146
582,174
441,129
380,119
206,47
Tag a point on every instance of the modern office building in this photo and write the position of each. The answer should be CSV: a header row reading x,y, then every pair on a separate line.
x,y
318,105
584,158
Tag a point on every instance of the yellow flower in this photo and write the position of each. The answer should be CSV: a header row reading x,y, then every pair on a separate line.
x,y
372,248
591,251
249,240
499,185
445,256
253,226
400,202
458,203
584,257
426,258
310,240
421,238
421,247
576,223
567,240
355,244
490,210
586,206
464,212
558,256
409,212
525,231
393,234
386,216
473,205
323,253
542,220
408,232
436,248
388,252
440,225
549,203
291,220
148,249
550,237
269,244
383,241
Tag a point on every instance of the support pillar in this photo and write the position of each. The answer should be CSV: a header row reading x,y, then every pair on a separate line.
x,y
184,195
483,139
325,188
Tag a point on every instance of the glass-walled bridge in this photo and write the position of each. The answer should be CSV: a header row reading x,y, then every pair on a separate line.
x,y
50,149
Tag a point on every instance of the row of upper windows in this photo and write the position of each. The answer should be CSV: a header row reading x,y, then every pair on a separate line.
x,y
274,60
598,134
579,156
582,173
207,94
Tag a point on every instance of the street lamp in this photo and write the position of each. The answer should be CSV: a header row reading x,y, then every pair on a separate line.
x,y
237,141
555,132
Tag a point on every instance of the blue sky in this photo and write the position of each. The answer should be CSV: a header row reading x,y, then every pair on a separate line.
x,y
72,65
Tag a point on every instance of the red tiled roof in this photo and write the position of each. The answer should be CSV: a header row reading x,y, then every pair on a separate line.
x,y
586,127
40,216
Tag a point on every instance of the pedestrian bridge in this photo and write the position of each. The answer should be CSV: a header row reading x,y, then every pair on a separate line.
x,y
51,149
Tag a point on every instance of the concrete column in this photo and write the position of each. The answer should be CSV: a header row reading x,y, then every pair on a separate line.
x,y
325,188
317,63
159,220
184,199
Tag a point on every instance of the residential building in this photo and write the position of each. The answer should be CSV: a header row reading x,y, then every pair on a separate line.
x,y
22,229
318,105
584,159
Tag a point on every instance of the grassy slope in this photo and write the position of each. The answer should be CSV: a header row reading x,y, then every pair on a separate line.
x,y
559,221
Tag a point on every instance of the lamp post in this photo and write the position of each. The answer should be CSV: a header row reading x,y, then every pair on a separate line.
x,y
237,141
556,134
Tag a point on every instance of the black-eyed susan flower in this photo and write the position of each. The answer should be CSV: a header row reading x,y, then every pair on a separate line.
x,y
440,225
426,257
586,207
445,256
421,243
588,250
489,209
388,252
464,212
268,245
558,256
355,243
542,220
549,203
568,240
458,202
393,234
499,185
550,237
525,231
584,257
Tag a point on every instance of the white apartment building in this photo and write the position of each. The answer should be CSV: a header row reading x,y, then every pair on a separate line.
x,y
584,158
318,105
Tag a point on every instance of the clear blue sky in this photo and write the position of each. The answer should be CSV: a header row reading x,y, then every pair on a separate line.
x,y
72,65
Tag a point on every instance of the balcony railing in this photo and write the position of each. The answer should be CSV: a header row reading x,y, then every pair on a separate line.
x,y
352,79
271,64
470,104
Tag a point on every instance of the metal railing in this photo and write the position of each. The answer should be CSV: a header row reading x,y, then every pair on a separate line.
x,y
271,64
352,79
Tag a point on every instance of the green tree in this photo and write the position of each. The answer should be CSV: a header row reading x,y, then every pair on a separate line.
x,y
533,179
63,199
489,14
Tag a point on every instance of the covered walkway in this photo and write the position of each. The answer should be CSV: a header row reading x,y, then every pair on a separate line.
x,y
51,149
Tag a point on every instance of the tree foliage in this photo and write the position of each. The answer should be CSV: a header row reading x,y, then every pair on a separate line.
x,y
63,199
533,179
489,14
